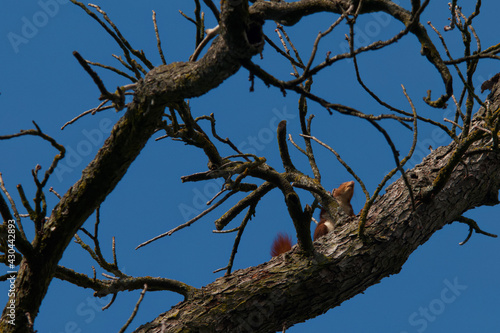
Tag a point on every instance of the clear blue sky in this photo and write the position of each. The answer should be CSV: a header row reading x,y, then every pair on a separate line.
x,y
443,287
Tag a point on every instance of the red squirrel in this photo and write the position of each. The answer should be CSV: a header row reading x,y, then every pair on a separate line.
x,y
283,243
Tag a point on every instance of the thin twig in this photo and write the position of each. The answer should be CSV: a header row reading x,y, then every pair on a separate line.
x,y
318,39
254,196
306,130
25,202
158,40
209,202
452,122
113,69
365,87
96,254
241,229
51,189
227,231
297,146
280,36
107,306
283,53
346,166
473,226
92,111
14,208
93,75
200,22
211,33
211,118
113,249
38,132
458,113
132,316
188,223
187,17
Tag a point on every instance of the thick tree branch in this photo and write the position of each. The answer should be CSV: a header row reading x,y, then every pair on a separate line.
x,y
106,287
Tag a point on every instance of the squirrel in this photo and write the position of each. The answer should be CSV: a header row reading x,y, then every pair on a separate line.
x,y
343,195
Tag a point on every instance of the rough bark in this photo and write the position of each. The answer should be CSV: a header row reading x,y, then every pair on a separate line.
x,y
265,298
